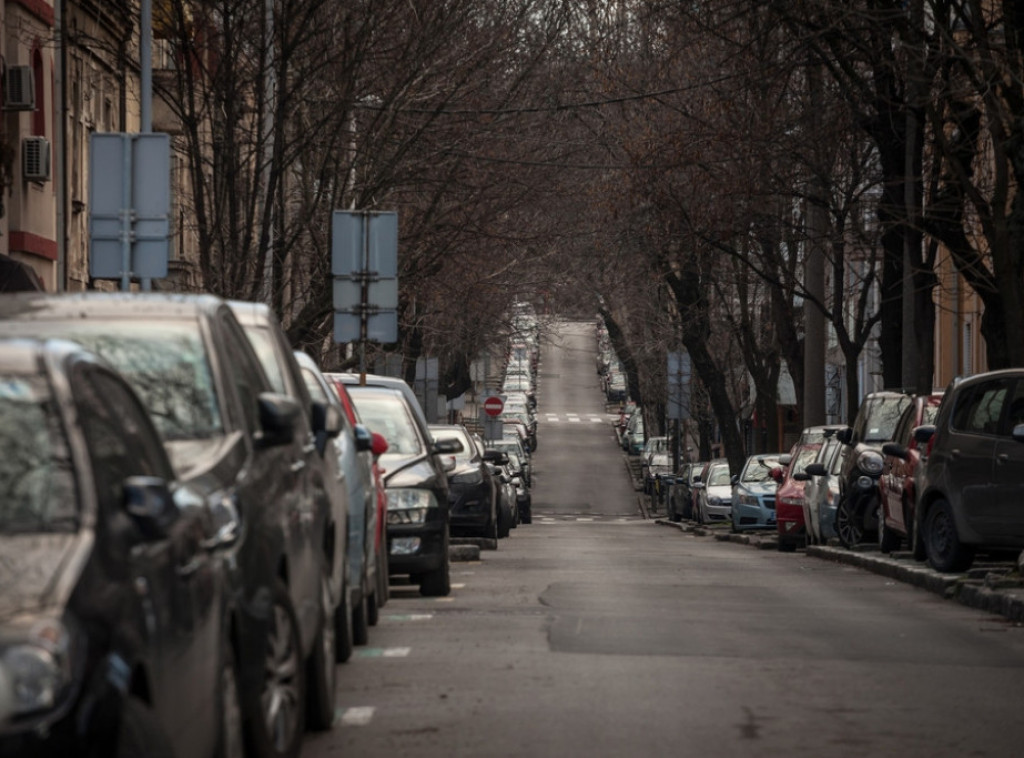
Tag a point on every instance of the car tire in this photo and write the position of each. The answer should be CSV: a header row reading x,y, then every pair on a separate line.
x,y
850,532
946,553
383,582
505,522
344,635
278,734
672,515
888,540
321,669
917,546
231,741
437,583
139,734
361,620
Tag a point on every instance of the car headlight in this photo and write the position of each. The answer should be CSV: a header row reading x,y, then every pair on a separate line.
x,y
714,500
36,671
870,462
744,499
471,478
408,506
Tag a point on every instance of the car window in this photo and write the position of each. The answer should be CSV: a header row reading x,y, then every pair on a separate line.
x,y
242,372
978,411
165,362
263,343
36,476
758,469
880,417
718,476
388,415
804,457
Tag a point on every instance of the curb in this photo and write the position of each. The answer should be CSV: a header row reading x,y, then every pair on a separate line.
x,y
463,553
986,589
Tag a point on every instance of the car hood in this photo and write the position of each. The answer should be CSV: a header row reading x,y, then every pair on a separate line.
x,y
723,491
39,571
758,488
407,470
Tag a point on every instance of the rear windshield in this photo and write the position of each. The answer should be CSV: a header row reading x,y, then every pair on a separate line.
x,y
37,486
164,362
387,415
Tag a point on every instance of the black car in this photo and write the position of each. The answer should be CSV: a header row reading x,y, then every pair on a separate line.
x,y
416,485
859,498
971,474
472,491
230,437
115,635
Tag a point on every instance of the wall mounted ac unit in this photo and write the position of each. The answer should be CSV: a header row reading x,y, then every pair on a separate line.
x,y
35,159
19,89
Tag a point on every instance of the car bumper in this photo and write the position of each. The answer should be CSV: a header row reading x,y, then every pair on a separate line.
x,y
747,516
413,548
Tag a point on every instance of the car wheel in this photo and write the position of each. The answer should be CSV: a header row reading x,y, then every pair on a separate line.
x,y
361,620
505,520
849,531
344,635
383,583
672,515
231,743
917,546
277,706
139,734
888,540
437,583
372,608
321,669
494,528
946,552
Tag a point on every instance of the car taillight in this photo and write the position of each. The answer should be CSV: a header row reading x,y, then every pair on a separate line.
x,y
791,500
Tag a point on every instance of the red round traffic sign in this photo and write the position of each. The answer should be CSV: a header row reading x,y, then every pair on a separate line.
x,y
493,405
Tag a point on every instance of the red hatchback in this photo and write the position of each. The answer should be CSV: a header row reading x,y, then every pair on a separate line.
x,y
789,497
896,485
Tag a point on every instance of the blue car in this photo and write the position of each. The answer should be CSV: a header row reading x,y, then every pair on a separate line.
x,y
753,493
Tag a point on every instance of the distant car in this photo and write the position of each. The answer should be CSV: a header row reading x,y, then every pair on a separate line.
x,y
821,480
971,476
789,497
633,439
472,491
655,461
714,493
896,485
857,509
115,591
416,484
521,470
680,504
753,493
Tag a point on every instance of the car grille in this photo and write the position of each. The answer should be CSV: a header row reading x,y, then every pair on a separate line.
x,y
769,503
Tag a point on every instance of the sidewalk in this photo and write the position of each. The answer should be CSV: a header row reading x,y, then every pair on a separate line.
x,y
994,586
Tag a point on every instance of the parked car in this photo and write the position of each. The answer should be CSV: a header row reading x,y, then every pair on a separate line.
x,y
521,470
353,450
680,504
472,491
633,439
416,484
655,460
753,493
896,485
713,493
857,509
230,437
115,592
378,446
822,479
789,497
971,475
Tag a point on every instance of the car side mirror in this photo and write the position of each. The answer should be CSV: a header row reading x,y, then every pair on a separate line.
x,y
447,447
326,419
896,450
364,439
802,476
734,480
149,503
785,459
279,419
448,463
923,434
379,445
845,435
816,469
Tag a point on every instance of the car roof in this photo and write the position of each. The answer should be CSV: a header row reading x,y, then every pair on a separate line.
x,y
26,306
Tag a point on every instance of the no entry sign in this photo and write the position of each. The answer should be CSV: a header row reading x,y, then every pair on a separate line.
x,y
493,405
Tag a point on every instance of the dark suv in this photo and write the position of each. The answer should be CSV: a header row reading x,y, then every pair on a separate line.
x,y
971,473
230,437
857,509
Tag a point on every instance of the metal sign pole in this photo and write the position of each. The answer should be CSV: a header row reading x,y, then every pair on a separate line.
x,y
126,216
364,299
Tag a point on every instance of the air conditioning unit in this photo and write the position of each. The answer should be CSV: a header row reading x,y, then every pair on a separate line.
x,y
35,159
19,89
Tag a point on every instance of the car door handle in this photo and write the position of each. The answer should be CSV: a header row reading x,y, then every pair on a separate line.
x,y
1002,458
297,466
954,453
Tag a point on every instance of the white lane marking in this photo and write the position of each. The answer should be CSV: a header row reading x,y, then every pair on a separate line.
x,y
383,652
574,419
597,420
583,518
445,599
458,586
410,617
357,716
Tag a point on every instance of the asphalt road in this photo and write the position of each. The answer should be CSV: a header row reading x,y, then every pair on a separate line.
x,y
593,632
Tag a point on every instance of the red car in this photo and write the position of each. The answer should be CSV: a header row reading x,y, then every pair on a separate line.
x,y
896,485
789,497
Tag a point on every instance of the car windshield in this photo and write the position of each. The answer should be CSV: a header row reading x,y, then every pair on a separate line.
x,y
36,480
165,363
718,476
387,415
759,469
804,458
468,448
881,418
